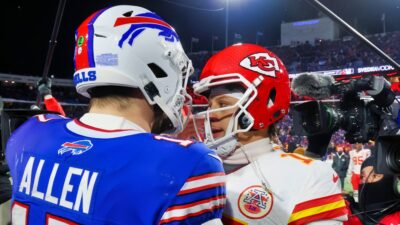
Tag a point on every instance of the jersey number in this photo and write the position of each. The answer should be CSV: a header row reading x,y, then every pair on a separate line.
x,y
298,157
358,160
20,214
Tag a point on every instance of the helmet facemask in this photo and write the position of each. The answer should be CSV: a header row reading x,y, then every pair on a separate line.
x,y
241,120
178,110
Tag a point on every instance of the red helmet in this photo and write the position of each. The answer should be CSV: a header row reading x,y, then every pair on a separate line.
x,y
263,70
266,96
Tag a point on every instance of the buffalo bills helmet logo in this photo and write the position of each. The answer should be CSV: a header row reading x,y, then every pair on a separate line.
x,y
76,147
144,21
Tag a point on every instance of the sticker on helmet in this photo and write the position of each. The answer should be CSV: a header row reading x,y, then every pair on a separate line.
x,y
144,21
80,41
107,59
261,63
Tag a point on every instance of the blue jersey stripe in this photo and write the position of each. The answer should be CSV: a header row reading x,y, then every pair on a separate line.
x,y
90,38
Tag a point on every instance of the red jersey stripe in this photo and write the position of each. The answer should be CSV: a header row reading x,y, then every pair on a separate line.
x,y
317,202
79,123
321,216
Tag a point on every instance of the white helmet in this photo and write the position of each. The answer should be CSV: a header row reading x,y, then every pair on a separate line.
x,y
130,46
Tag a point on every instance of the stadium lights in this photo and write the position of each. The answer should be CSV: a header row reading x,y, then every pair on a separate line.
x,y
226,22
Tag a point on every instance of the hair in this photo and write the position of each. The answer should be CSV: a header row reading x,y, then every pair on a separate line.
x,y
272,131
113,95
121,98
230,87
162,123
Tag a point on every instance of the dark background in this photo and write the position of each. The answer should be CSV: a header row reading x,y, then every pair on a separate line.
x,y
26,25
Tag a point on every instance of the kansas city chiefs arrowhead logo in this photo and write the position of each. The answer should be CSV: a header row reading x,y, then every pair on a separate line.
x,y
261,63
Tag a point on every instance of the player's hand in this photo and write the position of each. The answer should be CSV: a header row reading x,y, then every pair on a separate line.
x,y
44,86
5,184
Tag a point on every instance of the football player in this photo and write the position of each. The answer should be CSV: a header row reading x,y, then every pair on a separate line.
x,y
107,167
357,157
248,91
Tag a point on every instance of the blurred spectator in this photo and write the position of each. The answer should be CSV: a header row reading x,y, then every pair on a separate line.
x,y
51,103
340,163
329,158
327,55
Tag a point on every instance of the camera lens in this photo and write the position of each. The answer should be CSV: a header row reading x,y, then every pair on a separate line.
x,y
393,160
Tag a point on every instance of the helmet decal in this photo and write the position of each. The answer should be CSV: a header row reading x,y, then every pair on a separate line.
x,y
142,21
83,56
261,63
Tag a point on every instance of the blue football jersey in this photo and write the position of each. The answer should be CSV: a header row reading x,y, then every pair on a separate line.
x,y
66,172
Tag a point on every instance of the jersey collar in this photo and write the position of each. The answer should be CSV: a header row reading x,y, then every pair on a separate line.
x,y
253,150
97,125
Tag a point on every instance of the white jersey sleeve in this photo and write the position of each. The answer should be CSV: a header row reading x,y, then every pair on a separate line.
x,y
321,198
351,163
283,188
326,222
213,222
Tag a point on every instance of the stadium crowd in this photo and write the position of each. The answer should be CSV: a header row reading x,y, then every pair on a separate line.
x,y
300,57
326,55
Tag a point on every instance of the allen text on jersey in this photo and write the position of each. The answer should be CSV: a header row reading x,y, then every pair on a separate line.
x,y
68,187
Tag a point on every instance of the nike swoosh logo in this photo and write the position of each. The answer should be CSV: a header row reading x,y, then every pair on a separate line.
x,y
335,178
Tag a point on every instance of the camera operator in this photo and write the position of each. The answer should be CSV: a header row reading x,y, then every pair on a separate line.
x,y
379,196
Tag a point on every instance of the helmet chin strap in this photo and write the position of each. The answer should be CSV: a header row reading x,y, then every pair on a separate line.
x,y
225,145
225,148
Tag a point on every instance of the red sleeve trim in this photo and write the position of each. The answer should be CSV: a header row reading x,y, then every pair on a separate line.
x,y
321,216
317,202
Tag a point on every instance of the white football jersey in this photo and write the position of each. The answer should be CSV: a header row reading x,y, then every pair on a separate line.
x,y
299,191
356,159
